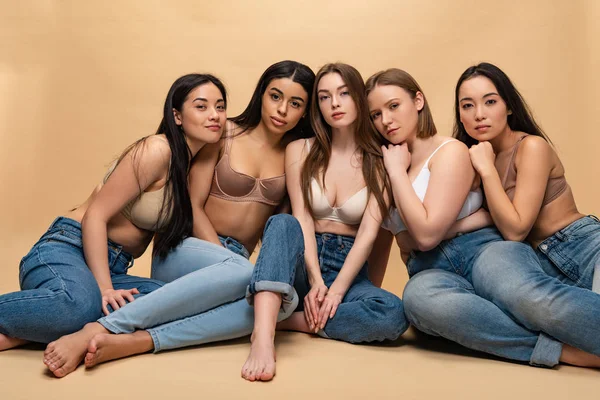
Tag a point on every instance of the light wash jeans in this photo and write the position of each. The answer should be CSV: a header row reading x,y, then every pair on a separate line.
x,y
59,294
366,314
204,300
442,299
549,289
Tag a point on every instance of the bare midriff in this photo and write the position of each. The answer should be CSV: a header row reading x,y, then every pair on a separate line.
x,y
120,230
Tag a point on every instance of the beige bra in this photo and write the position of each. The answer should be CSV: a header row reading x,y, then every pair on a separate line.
x,y
349,213
144,211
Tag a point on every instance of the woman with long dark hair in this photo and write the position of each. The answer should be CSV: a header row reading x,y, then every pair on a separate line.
x,y
78,268
336,183
236,187
546,282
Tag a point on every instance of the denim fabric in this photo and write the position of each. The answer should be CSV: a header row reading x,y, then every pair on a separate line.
x,y
205,299
58,291
548,291
442,299
367,313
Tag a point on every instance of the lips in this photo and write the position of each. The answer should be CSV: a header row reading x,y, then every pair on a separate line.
x,y
392,131
482,127
278,121
214,128
338,115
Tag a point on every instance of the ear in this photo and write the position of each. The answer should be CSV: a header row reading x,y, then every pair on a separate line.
x,y
509,112
177,116
419,101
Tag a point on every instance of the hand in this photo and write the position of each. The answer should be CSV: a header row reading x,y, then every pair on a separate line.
x,y
396,157
483,158
312,304
329,307
116,298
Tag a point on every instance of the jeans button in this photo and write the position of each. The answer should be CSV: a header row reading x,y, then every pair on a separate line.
x,y
544,247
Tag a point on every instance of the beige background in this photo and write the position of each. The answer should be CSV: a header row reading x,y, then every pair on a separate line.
x,y
79,81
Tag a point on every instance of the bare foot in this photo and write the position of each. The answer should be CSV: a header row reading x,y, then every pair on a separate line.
x,y
579,358
106,346
260,365
65,354
7,342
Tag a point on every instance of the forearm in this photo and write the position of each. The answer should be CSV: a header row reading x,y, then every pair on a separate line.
x,y
203,228
311,258
94,237
505,216
478,220
353,264
379,256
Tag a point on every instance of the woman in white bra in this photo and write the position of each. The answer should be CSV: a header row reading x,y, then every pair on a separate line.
x,y
336,185
78,269
433,183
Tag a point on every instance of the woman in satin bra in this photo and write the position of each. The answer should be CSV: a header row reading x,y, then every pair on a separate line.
x,y
78,269
237,189
548,284
336,186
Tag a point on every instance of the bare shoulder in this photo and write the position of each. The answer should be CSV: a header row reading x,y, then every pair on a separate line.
x,y
154,149
534,148
296,147
452,151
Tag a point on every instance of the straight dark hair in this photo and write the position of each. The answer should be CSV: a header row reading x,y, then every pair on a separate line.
x,y
177,207
521,119
297,72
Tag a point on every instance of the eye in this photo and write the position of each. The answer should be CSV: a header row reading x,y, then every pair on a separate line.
x,y
221,108
275,96
491,102
295,104
393,106
345,93
375,115
201,107
323,97
466,106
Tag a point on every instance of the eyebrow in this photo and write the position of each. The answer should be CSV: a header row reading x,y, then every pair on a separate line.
x,y
385,104
483,97
293,97
327,91
203,99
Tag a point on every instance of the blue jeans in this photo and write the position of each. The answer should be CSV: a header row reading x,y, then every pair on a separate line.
x,y
548,289
366,314
441,299
204,300
59,294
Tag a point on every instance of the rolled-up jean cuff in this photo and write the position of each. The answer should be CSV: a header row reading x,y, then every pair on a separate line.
x,y
288,294
155,340
547,352
110,327
322,334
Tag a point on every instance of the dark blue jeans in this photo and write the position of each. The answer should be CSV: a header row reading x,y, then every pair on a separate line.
x,y
366,314
59,294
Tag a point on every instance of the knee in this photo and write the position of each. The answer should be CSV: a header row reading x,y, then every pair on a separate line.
x,y
77,312
392,322
283,224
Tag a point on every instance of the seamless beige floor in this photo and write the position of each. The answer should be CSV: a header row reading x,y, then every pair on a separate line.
x,y
414,367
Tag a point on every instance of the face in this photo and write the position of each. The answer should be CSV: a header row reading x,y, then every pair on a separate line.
x,y
394,112
483,112
283,104
336,104
202,116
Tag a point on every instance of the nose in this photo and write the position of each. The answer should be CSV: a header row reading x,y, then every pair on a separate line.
x,y
479,113
282,109
386,118
214,115
334,101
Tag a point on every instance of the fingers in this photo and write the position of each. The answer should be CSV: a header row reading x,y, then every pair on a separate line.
x,y
333,310
104,307
324,313
314,307
128,296
308,314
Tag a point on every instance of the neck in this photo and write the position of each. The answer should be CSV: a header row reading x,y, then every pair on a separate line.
x,y
505,140
342,139
419,147
194,145
264,136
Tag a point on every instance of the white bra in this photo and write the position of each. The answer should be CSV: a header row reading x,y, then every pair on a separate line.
x,y
393,222
349,213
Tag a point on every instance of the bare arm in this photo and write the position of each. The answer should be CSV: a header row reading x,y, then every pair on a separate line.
x,y
450,181
137,171
200,180
380,254
534,164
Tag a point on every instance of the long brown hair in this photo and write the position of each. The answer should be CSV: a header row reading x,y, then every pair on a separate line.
x,y
365,134
397,77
